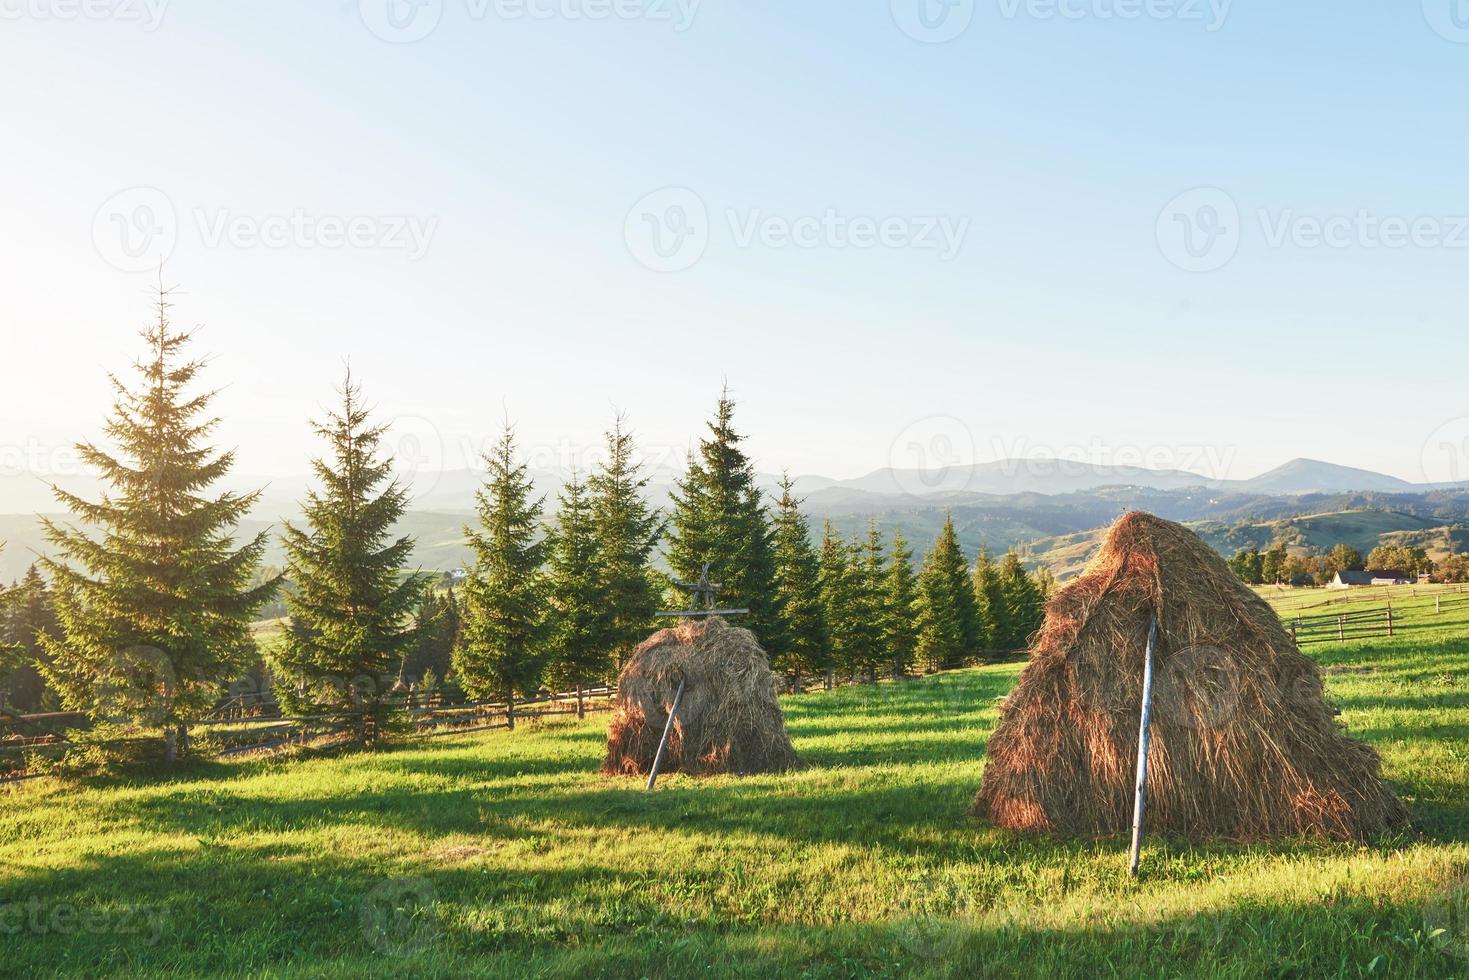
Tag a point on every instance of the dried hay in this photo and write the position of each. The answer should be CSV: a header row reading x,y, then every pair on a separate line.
x,y
729,720
1243,742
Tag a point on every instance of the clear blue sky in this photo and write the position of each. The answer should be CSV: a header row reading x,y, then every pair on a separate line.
x,y
1063,323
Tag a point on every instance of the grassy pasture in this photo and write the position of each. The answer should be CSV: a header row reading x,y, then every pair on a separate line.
x,y
502,855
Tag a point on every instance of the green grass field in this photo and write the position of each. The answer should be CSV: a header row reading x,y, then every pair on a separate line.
x,y
502,854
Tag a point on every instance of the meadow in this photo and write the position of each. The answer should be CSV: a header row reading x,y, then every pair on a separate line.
x,y
507,854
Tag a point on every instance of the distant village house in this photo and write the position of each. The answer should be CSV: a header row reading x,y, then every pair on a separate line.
x,y
1377,576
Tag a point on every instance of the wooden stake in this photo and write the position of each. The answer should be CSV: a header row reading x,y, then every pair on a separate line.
x,y
1140,799
667,731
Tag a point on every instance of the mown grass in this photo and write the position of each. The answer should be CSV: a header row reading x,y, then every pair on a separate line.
x,y
508,855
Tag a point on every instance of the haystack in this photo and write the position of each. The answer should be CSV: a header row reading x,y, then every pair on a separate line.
x,y
728,720
1244,744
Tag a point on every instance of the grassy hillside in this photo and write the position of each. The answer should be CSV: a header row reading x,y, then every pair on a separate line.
x,y
509,855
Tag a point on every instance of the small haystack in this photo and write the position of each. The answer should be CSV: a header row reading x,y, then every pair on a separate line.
x,y
1244,744
729,719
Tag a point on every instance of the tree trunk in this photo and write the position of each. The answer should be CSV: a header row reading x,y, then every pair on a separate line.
x,y
170,746
797,686
829,679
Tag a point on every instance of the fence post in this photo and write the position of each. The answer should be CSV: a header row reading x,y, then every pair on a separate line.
x,y
1341,629
1437,604
1389,619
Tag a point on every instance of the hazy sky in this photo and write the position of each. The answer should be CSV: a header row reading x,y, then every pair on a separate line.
x,y
1212,236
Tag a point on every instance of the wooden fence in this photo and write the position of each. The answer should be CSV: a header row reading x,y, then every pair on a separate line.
x,y
260,727
1340,627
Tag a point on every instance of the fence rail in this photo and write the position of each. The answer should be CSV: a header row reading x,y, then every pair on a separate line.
x,y
1340,627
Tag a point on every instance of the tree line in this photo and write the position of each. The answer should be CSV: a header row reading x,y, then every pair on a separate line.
x,y
143,612
1276,566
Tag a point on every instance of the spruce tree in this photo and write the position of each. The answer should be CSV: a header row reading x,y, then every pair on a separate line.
x,y
580,609
940,632
437,628
989,596
719,518
798,588
839,600
502,646
949,557
351,608
1024,604
627,529
870,627
153,592
30,620
900,606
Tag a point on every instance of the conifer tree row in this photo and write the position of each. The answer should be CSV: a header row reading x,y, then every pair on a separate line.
x,y
152,592
351,608
798,592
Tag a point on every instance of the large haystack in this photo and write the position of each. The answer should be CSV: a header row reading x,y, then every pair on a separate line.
x,y
729,719
1244,744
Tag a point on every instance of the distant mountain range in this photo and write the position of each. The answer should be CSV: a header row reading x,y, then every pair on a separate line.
x,y
1048,509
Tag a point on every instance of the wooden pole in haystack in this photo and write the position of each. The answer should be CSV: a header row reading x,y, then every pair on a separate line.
x,y
1139,802
667,731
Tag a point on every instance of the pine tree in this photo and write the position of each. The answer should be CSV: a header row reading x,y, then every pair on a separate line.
x,y
940,630
949,558
989,597
627,529
839,599
351,608
503,644
437,627
719,518
1024,604
870,650
155,603
29,620
900,601
580,609
798,588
